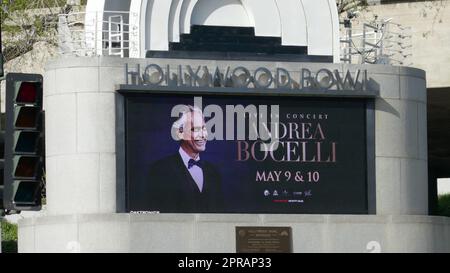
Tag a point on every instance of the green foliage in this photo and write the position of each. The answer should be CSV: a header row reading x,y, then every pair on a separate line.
x,y
26,22
444,205
350,5
11,6
9,237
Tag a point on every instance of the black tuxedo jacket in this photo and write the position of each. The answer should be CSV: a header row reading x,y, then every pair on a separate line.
x,y
171,188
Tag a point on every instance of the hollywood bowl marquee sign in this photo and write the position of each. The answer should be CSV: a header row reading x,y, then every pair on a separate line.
x,y
239,77
315,147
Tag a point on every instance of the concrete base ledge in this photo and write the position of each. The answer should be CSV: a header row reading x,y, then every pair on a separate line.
x,y
216,233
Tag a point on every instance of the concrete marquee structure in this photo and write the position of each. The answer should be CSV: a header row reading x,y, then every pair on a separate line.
x,y
82,187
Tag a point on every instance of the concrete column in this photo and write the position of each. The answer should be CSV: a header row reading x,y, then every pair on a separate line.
x,y
401,143
80,139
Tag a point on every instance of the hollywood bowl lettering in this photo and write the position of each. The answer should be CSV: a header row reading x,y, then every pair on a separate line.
x,y
242,77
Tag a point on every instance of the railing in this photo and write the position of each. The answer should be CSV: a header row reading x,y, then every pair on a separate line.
x,y
95,33
116,36
378,42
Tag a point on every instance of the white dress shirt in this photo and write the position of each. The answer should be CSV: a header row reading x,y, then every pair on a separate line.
x,y
195,171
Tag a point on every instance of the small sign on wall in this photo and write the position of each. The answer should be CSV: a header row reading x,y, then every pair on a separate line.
x,y
263,240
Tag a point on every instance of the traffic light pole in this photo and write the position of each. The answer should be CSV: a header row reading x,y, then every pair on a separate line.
x,y
2,71
24,151
1,79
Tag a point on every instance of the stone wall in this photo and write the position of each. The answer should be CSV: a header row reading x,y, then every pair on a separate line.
x,y
182,233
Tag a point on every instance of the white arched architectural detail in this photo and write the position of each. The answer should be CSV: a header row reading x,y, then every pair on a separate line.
x,y
157,26
143,26
217,13
335,32
174,21
135,28
146,24
185,16
320,27
138,11
293,22
310,23
266,17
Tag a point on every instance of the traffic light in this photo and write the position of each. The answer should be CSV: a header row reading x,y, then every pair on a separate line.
x,y
24,142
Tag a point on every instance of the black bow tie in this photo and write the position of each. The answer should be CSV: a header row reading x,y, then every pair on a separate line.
x,y
193,163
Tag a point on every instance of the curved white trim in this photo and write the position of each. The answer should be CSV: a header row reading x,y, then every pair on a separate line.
x,y
335,31
145,25
250,16
159,27
138,11
266,18
320,29
293,22
135,28
185,16
217,13
144,20
306,21
174,21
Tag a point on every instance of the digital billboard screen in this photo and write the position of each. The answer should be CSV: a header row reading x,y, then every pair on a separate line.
x,y
245,154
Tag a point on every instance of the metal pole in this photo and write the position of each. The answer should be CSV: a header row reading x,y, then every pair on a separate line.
x,y
1,54
1,79
122,44
110,49
350,41
363,58
2,76
96,33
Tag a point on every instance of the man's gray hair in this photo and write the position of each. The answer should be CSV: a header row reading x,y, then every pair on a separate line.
x,y
179,124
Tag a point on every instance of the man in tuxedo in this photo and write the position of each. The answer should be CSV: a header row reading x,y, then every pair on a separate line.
x,y
182,182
